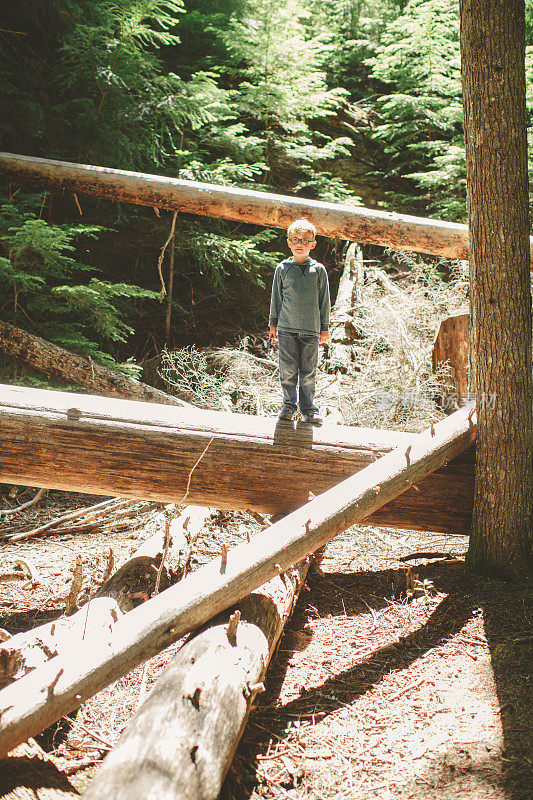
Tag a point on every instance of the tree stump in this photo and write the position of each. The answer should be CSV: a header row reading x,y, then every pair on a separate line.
x,y
452,345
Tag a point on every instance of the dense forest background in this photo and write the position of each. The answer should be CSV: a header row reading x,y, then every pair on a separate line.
x,y
356,101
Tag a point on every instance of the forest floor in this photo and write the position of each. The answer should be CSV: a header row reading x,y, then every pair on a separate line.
x,y
372,693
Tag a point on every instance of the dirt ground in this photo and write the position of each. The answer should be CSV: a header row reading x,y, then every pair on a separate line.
x,y
374,692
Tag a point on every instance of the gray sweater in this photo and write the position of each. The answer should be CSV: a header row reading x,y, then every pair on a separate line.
x,y
300,297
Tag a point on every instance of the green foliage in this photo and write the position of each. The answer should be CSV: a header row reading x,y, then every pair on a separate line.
x,y
40,288
281,89
421,117
320,98
217,254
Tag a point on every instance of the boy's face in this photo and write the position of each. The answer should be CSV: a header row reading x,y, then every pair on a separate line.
x,y
301,243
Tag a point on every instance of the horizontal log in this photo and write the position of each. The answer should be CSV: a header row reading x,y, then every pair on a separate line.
x,y
46,694
399,231
96,445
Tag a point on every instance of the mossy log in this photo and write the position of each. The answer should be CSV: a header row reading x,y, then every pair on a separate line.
x,y
54,361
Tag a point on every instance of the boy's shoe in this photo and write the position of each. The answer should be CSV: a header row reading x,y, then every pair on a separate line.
x,y
285,414
313,417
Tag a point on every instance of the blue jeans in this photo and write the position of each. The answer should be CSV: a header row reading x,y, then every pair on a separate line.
x,y
298,359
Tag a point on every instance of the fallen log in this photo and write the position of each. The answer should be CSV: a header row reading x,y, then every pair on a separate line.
x,y
352,223
29,774
94,621
52,360
46,694
181,742
24,652
120,447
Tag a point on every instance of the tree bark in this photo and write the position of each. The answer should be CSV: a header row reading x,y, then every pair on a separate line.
x,y
492,50
180,743
399,231
35,701
119,447
52,360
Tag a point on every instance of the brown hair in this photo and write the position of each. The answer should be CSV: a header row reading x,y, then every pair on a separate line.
x,y
301,226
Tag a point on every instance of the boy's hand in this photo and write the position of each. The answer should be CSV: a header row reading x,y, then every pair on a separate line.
x,y
273,334
324,337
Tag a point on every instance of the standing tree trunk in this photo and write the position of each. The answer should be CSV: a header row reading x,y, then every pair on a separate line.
x,y
493,72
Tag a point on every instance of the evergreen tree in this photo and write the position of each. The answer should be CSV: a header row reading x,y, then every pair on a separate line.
x,y
421,128
48,292
281,90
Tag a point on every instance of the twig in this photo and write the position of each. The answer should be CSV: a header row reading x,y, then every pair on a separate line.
x,y
115,504
163,291
95,736
166,546
169,520
412,556
77,203
204,451
395,696
8,511
76,766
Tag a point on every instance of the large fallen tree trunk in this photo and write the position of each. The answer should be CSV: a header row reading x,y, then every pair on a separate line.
x,y
399,231
103,446
180,743
45,695
52,360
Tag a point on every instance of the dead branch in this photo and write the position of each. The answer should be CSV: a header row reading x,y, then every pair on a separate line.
x,y
6,512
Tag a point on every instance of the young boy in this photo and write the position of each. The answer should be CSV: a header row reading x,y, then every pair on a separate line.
x,y
299,320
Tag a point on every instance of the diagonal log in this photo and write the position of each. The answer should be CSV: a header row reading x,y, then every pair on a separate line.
x,y
50,359
42,697
180,743
107,446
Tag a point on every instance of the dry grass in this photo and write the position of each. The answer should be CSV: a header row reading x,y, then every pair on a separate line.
x,y
389,384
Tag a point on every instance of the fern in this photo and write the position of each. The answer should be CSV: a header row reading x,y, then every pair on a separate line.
x,y
41,288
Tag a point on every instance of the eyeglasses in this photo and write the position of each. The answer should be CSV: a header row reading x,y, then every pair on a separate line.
x,y
300,241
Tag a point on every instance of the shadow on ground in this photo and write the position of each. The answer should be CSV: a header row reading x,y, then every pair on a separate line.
x,y
506,612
